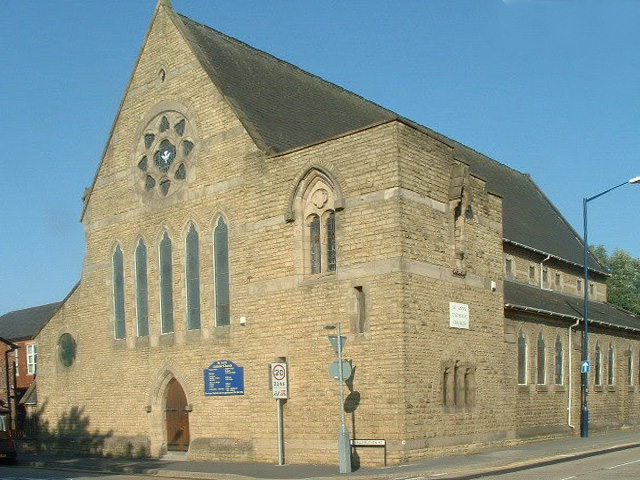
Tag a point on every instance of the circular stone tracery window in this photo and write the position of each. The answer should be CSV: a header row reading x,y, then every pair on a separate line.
x,y
164,155
67,349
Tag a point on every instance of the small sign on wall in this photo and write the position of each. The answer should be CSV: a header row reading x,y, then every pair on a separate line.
x,y
458,315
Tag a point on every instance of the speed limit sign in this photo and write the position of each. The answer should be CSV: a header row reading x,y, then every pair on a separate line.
x,y
279,380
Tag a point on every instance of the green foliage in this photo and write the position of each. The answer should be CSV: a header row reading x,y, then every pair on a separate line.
x,y
624,284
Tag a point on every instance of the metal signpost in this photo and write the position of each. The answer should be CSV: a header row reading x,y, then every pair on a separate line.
x,y
344,444
280,391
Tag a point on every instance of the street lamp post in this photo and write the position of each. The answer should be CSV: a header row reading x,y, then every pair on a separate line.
x,y
584,431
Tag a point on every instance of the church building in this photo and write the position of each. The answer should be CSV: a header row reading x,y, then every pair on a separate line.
x,y
242,206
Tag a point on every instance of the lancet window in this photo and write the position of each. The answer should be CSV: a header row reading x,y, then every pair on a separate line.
x,y
193,278
118,293
166,284
320,228
142,289
221,269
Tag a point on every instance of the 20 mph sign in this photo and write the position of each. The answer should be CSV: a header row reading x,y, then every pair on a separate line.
x,y
279,380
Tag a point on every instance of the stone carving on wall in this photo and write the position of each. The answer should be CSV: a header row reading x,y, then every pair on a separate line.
x,y
460,200
458,386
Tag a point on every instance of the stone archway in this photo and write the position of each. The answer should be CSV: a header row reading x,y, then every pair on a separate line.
x,y
168,395
176,417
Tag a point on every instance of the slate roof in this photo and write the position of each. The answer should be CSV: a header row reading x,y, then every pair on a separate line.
x,y
286,106
25,324
523,297
283,108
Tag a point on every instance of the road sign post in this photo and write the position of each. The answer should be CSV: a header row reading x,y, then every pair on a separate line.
x,y
344,440
280,391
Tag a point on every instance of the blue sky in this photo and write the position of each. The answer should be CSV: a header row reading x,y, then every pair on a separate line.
x,y
549,88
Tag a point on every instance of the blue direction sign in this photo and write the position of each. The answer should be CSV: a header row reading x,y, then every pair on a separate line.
x,y
585,367
223,377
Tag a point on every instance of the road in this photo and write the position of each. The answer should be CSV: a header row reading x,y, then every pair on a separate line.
x,y
621,465
27,473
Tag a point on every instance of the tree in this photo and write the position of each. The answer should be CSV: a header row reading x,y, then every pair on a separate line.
x,y
623,285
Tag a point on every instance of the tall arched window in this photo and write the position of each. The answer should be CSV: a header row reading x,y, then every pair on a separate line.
x,y
142,289
193,279
598,364
630,367
522,359
315,247
542,361
319,227
611,372
331,241
559,361
221,269
118,293
166,283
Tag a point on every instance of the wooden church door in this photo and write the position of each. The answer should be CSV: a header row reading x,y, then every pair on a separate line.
x,y
177,418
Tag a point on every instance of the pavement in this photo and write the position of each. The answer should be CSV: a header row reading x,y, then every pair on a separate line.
x,y
470,466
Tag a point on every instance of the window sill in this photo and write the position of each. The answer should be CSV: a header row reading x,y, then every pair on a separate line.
x,y
524,388
611,388
319,278
598,388
462,410
542,387
142,341
167,339
559,388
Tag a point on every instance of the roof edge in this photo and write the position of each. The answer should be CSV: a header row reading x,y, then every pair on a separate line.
x,y
572,317
73,289
551,255
165,4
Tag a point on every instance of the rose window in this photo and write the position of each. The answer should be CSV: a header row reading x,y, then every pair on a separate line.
x,y
165,154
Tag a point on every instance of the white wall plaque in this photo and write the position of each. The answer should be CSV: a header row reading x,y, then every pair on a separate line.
x,y
458,315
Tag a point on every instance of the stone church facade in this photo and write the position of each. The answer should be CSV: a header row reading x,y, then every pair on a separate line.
x,y
241,205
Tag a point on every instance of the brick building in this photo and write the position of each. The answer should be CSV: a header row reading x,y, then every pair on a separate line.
x,y
243,204
20,355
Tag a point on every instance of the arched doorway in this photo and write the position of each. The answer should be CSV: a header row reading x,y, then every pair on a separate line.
x,y
176,418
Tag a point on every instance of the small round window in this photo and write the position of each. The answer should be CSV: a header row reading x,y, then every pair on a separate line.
x,y
67,350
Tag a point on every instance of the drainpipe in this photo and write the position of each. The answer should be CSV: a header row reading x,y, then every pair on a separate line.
x,y
548,257
570,377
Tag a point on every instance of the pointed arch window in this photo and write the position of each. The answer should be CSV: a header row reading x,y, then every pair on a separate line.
x,y
542,366
331,241
611,372
315,244
598,364
118,293
142,289
221,269
193,279
559,361
166,284
630,367
320,228
522,359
